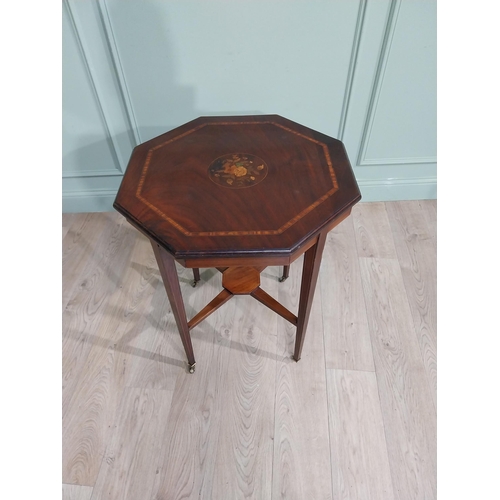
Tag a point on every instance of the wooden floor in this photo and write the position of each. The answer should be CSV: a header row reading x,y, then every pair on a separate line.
x,y
355,418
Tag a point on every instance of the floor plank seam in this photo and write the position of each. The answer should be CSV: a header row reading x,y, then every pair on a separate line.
x,y
327,401
276,376
429,382
98,472
350,370
408,302
415,335
378,394
276,393
162,440
394,488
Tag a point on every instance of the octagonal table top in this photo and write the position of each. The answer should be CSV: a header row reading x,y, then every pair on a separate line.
x,y
236,186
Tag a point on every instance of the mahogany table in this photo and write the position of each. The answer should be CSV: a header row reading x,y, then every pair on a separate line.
x,y
238,194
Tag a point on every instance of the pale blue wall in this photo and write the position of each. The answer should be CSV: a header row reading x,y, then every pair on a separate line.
x,y
362,71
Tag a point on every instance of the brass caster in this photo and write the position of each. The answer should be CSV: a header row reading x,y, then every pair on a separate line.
x,y
194,283
283,278
191,368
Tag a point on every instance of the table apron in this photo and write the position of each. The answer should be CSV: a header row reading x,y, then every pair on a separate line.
x,y
206,262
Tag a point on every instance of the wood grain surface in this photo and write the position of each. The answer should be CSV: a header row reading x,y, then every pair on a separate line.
x,y
301,439
357,437
218,301
241,279
429,211
76,249
67,222
244,458
187,458
275,184
129,466
405,395
373,231
76,492
91,346
266,299
416,249
347,337
251,422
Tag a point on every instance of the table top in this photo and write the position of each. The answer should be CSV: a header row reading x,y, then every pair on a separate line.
x,y
236,186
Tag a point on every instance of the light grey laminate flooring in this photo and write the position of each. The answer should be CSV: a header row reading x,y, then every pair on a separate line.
x,y
354,419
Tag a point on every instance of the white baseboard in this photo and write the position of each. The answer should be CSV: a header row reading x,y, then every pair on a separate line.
x,y
97,200
421,188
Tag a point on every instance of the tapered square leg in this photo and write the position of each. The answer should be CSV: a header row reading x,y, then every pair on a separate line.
x,y
310,271
286,272
196,276
168,271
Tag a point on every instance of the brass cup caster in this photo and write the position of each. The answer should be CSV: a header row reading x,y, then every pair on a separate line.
x,y
192,368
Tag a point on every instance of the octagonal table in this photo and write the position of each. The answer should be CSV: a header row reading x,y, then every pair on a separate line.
x,y
238,194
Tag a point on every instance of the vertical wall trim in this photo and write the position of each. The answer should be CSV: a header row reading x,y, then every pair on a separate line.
x,y
352,67
114,149
115,56
390,29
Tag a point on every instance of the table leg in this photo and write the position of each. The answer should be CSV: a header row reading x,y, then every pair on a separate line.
x,y
310,271
168,271
286,272
196,275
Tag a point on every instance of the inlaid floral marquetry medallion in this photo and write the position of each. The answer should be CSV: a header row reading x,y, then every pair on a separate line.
x,y
238,170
